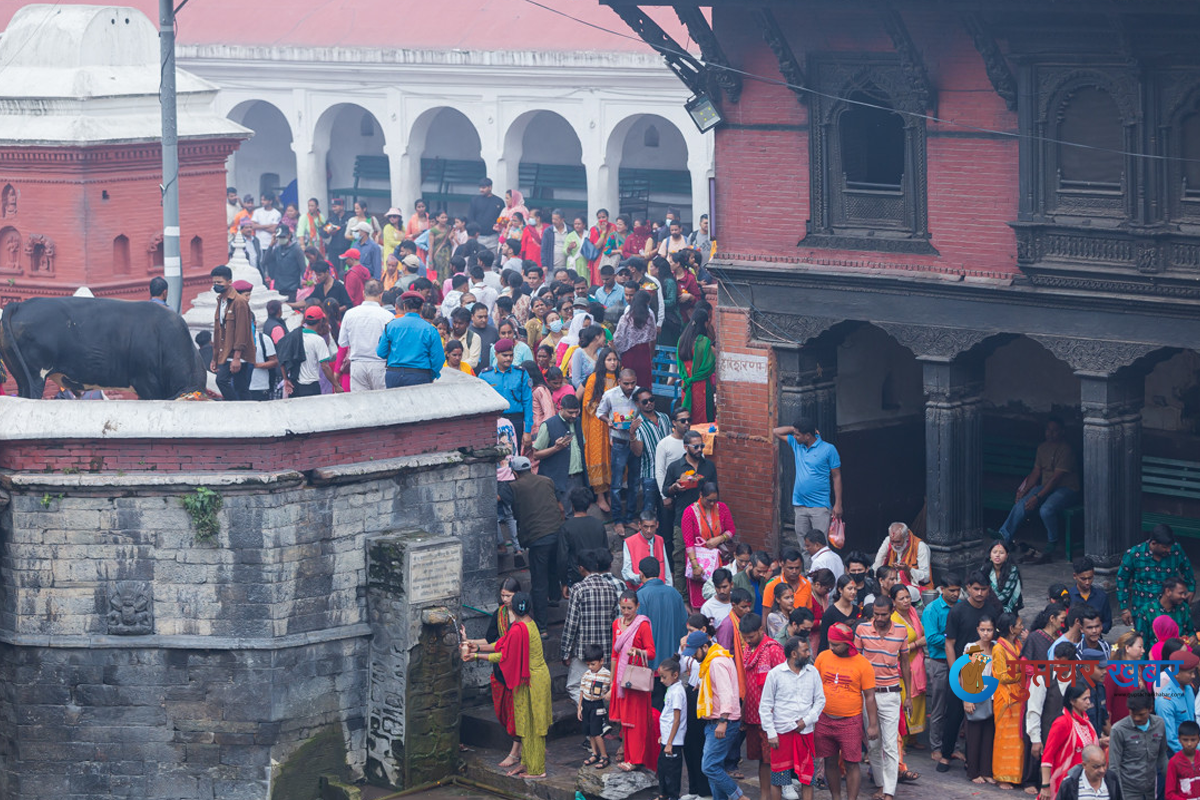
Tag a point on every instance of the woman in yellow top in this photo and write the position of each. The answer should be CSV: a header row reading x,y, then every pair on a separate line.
x,y
904,614
454,352
393,231
523,666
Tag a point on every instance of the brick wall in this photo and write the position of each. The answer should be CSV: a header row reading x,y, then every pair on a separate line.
x,y
745,453
300,452
762,155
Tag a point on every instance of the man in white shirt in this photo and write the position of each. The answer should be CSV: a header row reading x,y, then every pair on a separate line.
x,y
792,700
822,557
266,219
717,607
232,206
674,242
640,277
453,297
618,410
670,448
483,293
361,328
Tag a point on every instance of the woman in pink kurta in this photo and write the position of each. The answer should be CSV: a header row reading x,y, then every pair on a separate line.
x,y
706,525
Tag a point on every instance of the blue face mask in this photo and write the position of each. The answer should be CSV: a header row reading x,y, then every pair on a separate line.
x,y
1145,727
556,326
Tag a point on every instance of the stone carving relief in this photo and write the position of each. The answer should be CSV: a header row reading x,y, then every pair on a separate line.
x,y
994,63
8,201
40,250
1093,355
927,341
130,609
10,250
790,328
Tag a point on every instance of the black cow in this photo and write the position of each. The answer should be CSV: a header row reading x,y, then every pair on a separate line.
x,y
94,343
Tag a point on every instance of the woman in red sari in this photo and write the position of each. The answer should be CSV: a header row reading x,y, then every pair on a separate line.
x,y
531,237
632,644
598,236
502,694
1069,734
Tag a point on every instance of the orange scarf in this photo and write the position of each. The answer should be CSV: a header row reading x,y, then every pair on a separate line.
x,y
906,561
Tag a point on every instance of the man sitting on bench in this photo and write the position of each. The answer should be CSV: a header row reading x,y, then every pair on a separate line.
x,y
1052,486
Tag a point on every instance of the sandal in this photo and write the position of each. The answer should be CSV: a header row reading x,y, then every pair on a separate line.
x,y
737,776
603,763
625,766
908,776
592,760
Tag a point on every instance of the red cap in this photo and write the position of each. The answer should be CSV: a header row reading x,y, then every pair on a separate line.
x,y
411,295
352,253
313,314
243,286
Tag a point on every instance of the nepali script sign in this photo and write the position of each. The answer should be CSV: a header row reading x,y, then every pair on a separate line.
x,y
1123,673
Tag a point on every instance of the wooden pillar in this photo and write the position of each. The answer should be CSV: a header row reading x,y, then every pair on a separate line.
x,y
1112,464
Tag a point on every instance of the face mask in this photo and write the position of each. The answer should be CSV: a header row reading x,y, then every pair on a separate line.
x,y
1145,727
219,288
859,577
556,326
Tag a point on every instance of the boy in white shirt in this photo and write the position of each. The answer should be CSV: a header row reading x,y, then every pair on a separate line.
x,y
672,727
717,607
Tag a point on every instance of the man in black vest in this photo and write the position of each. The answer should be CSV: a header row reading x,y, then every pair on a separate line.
x,y
559,448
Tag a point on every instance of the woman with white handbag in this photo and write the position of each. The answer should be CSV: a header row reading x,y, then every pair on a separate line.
x,y
633,680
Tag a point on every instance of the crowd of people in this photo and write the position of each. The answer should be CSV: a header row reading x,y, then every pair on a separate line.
x,y
572,306
698,652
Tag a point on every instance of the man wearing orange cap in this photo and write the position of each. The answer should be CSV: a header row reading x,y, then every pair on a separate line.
x,y
848,681
317,357
356,276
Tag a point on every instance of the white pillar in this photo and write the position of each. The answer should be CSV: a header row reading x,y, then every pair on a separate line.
x,y
310,169
404,177
602,190
700,169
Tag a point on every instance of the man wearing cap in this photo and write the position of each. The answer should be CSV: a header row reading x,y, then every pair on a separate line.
x,y
284,263
233,338
317,358
362,328
327,285
251,248
411,346
535,505
356,276
719,705
1174,698
335,228
266,220
412,271
370,253
484,210
513,386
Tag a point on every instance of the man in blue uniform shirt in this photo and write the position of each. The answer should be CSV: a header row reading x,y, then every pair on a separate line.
x,y
513,386
411,346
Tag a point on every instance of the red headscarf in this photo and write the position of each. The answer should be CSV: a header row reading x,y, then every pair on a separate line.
x,y
842,633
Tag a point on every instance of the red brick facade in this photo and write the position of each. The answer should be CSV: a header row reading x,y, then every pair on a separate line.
x,y
80,201
305,452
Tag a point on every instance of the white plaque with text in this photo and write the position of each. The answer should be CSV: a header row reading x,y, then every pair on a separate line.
x,y
434,573
742,368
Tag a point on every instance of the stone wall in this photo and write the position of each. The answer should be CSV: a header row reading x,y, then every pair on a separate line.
x,y
140,662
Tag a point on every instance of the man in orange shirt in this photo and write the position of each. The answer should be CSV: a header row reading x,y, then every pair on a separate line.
x,y
848,681
792,573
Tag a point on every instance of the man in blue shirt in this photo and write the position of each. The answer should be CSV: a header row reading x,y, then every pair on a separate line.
x,y
937,673
411,346
609,292
513,385
817,468
370,254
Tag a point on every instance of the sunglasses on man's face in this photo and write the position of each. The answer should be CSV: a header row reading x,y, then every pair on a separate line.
x,y
649,401
687,421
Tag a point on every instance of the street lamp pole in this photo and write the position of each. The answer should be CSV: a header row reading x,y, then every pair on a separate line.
x,y
172,264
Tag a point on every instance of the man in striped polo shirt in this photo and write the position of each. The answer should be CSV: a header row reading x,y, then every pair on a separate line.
x,y
885,645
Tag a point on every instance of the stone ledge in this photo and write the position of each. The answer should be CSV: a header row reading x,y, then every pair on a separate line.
x,y
150,481
454,395
390,467
184,642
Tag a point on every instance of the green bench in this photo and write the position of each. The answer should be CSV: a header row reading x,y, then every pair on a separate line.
x,y
543,182
1015,460
664,373
1162,477
639,188
1180,480
367,168
457,180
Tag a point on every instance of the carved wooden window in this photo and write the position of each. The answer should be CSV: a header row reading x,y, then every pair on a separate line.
x,y
1182,138
1092,162
867,162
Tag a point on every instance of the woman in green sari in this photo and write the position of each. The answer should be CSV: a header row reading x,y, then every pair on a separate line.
x,y
440,246
697,362
519,654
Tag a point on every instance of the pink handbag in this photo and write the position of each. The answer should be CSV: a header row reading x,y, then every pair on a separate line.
x,y
638,678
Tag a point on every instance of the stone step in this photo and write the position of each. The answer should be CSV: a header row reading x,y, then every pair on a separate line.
x,y
480,728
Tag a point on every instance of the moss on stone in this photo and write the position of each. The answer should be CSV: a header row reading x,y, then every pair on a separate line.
x,y
300,777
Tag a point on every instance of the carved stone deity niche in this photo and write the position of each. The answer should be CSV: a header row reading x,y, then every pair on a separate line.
x,y
8,201
40,250
10,251
130,609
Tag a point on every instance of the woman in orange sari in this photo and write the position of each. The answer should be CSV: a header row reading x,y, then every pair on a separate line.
x,y
596,444
1008,703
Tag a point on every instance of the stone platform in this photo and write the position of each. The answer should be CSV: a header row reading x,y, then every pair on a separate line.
x,y
141,661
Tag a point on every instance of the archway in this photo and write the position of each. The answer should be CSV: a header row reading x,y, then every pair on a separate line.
x,y
551,171
355,165
449,149
652,159
265,162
